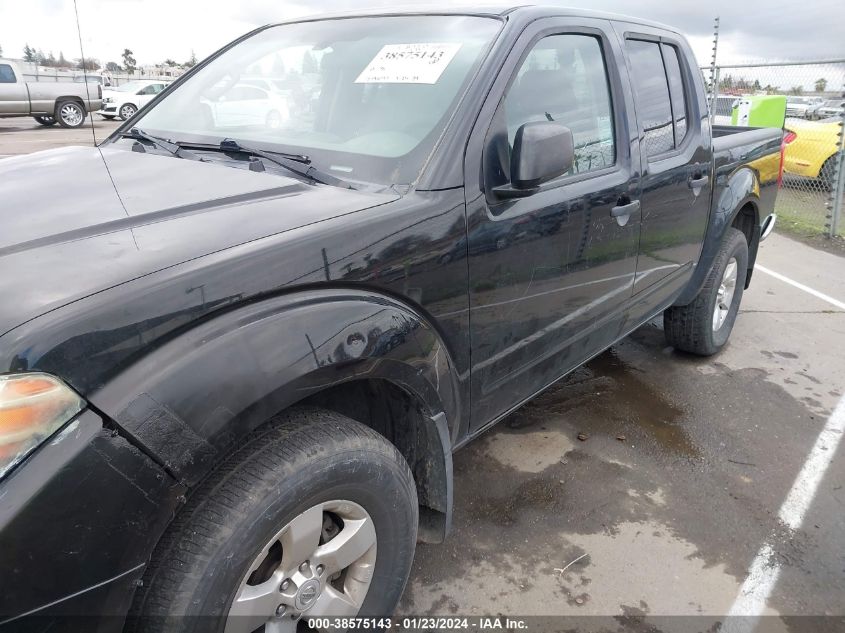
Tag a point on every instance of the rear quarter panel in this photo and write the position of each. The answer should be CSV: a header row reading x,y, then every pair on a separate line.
x,y
744,175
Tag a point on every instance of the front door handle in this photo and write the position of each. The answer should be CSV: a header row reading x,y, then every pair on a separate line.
x,y
698,183
625,209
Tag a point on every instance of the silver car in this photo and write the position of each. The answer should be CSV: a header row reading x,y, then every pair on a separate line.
x,y
831,107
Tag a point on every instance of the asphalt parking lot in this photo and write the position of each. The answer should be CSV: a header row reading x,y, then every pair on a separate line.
x,y
652,486
24,136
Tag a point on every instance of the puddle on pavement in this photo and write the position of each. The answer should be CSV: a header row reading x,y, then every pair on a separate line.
x,y
611,397
646,407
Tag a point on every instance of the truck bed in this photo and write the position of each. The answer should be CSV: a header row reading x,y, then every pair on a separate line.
x,y
755,147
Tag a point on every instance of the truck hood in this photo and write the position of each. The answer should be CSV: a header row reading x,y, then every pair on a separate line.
x,y
78,220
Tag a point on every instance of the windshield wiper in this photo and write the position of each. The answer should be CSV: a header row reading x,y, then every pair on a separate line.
x,y
297,163
162,143
231,145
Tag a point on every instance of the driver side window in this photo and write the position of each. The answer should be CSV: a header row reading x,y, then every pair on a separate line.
x,y
563,79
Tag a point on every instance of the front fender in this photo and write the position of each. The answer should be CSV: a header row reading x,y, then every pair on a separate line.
x,y
191,399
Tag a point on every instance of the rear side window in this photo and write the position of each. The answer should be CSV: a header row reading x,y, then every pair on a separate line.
x,y
676,89
651,92
7,75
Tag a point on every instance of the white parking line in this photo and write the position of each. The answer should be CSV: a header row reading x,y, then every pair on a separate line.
x,y
750,604
764,571
800,286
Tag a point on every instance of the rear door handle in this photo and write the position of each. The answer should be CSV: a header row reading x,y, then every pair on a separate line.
x,y
625,209
697,183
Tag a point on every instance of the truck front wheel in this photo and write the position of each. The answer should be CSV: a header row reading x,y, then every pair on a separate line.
x,y
314,515
703,326
70,114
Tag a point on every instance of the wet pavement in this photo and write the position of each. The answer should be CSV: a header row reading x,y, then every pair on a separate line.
x,y
22,135
684,463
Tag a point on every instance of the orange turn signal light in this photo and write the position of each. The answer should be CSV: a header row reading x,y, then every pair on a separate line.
x,y
32,407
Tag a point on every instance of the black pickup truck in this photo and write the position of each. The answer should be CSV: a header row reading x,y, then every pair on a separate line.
x,y
242,338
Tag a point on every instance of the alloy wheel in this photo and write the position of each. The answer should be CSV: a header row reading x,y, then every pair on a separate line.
x,y
725,295
320,563
71,114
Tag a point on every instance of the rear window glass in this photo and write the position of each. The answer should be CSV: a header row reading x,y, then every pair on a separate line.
x,y
7,75
676,88
651,92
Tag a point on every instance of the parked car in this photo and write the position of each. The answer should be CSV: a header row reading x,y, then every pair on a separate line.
x,y
104,80
831,107
811,149
803,107
214,405
125,100
65,103
247,104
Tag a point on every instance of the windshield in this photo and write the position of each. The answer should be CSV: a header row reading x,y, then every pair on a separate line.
x,y
364,98
833,103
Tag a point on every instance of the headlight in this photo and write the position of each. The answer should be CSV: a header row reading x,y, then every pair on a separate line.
x,y
107,99
33,406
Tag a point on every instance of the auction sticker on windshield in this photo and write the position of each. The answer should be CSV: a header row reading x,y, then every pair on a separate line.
x,y
408,64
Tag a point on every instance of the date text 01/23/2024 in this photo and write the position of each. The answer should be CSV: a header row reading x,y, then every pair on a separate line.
x,y
424,623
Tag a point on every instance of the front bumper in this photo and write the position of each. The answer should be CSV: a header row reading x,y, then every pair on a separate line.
x,y
78,521
108,108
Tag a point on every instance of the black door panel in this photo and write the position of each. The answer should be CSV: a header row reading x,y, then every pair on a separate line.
x,y
676,183
551,273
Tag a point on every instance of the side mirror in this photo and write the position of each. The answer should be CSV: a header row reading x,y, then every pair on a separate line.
x,y
541,151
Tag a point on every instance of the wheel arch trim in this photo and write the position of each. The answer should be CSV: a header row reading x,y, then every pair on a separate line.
x,y
189,400
740,189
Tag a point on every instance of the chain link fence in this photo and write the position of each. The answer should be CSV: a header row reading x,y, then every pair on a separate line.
x,y
811,198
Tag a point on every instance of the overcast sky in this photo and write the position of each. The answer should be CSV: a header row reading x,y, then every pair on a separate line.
x,y
752,30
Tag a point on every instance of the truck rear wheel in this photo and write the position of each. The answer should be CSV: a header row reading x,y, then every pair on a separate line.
x,y
70,114
703,326
314,515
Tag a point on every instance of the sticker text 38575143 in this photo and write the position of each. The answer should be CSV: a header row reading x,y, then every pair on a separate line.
x,y
409,64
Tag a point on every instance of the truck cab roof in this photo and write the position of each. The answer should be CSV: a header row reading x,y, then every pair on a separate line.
x,y
527,13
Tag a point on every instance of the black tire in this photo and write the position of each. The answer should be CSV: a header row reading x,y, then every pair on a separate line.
x,y
126,111
827,174
300,458
690,328
46,121
70,114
